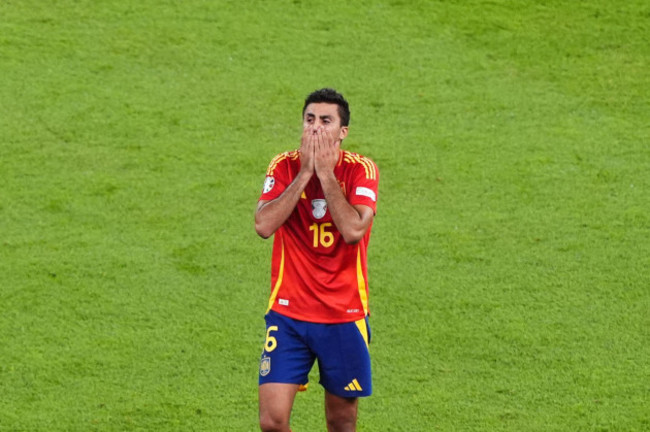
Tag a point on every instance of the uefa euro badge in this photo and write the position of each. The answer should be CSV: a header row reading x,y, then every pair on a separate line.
x,y
265,366
318,208
269,182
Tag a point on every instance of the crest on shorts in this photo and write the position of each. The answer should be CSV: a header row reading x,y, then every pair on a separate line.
x,y
318,208
265,366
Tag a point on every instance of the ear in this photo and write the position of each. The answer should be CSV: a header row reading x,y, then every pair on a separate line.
x,y
343,133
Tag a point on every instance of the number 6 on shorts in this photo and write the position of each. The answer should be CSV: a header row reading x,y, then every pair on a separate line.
x,y
271,343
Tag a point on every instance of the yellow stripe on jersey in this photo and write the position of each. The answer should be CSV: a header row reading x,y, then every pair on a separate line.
x,y
293,155
278,283
274,163
363,295
372,167
368,165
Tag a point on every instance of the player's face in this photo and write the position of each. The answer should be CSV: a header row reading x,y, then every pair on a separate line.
x,y
326,116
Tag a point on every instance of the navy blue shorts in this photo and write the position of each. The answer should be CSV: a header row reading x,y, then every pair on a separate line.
x,y
292,346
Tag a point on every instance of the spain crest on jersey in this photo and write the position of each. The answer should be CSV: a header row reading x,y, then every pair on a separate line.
x,y
318,208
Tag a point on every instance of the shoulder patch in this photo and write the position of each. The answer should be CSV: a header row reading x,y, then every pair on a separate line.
x,y
269,182
364,191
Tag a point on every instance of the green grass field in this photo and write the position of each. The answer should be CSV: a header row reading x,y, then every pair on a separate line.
x,y
509,265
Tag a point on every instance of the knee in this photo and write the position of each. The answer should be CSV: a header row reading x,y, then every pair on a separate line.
x,y
342,420
269,423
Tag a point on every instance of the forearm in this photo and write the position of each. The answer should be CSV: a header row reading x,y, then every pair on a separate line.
x,y
270,215
348,220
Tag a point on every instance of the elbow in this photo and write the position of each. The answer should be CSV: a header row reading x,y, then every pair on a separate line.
x,y
262,230
352,237
355,230
354,233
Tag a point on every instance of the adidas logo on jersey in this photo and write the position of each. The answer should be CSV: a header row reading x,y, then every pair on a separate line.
x,y
353,386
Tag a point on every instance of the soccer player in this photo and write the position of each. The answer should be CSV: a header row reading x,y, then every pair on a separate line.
x,y
319,202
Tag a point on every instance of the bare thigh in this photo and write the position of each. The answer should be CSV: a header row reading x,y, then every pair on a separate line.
x,y
341,413
276,401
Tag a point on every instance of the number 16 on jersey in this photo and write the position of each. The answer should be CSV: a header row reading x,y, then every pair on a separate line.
x,y
322,234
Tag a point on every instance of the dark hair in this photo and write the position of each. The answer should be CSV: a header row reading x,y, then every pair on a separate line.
x,y
329,95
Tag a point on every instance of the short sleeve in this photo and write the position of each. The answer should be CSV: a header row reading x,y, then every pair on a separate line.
x,y
365,185
277,177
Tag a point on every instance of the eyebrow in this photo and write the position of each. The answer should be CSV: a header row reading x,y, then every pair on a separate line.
x,y
323,117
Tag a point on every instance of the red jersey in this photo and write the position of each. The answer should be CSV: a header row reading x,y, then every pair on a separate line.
x,y
315,275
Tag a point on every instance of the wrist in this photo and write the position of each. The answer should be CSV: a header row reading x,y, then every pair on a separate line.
x,y
326,176
304,175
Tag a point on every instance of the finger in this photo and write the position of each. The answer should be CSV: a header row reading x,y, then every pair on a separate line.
x,y
324,142
317,137
313,143
327,138
305,134
324,137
